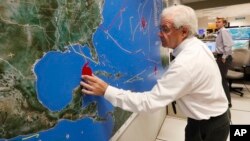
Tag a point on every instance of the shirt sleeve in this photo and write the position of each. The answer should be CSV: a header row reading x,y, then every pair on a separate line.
x,y
175,83
227,42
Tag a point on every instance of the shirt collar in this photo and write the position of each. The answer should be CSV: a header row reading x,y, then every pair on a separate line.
x,y
220,30
181,46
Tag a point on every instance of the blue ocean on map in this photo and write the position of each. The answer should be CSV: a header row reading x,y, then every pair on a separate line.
x,y
126,43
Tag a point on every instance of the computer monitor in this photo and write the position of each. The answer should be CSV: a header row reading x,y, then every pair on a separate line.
x,y
238,44
211,45
240,33
201,32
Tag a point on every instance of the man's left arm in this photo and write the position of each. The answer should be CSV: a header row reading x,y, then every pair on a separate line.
x,y
228,43
175,83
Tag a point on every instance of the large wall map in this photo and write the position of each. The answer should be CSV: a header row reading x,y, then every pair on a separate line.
x,y
43,46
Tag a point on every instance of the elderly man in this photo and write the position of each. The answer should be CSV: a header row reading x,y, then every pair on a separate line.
x,y
193,79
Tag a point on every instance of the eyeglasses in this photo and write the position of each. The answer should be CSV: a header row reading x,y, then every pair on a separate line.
x,y
164,29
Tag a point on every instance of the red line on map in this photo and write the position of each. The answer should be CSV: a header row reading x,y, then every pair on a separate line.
x,y
143,23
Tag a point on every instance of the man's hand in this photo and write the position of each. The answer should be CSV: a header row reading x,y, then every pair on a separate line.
x,y
93,85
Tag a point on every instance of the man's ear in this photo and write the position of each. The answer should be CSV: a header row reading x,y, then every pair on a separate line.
x,y
185,32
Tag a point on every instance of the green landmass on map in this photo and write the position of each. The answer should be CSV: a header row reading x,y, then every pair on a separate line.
x,y
28,29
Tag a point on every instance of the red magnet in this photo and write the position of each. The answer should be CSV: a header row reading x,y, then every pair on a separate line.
x,y
86,70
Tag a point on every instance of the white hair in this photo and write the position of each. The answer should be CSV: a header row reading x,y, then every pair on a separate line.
x,y
182,16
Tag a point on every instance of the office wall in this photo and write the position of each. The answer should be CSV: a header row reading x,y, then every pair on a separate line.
x,y
239,21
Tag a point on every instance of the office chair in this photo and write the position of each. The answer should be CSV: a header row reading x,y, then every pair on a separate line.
x,y
237,72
